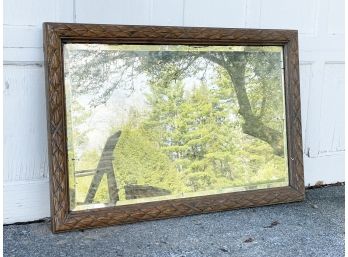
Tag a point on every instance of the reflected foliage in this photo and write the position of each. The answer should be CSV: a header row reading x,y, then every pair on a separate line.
x,y
225,130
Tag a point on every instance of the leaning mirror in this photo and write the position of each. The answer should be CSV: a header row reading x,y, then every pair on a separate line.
x,y
154,122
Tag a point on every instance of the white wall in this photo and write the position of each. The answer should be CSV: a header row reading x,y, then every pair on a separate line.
x,y
321,35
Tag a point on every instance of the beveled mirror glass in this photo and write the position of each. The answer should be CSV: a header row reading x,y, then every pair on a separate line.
x,y
158,122
149,122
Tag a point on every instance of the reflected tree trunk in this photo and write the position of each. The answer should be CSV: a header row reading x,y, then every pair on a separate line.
x,y
235,65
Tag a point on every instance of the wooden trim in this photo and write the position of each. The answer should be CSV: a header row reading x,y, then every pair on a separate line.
x,y
55,34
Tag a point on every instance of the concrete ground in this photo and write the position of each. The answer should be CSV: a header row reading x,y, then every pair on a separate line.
x,y
314,227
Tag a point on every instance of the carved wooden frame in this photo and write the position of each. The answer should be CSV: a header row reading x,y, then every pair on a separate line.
x,y
55,34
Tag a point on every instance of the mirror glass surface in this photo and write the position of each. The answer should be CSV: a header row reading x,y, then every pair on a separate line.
x,y
157,122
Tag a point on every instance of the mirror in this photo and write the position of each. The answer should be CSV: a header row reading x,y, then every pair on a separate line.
x,y
154,122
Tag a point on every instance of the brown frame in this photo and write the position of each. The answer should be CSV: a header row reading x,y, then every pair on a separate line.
x,y
55,34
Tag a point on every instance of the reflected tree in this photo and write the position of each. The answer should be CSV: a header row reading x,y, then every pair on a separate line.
x,y
100,72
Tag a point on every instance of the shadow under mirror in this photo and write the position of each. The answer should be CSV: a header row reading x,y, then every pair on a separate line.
x,y
156,122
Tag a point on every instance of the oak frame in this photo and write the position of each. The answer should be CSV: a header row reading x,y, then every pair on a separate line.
x,y
55,34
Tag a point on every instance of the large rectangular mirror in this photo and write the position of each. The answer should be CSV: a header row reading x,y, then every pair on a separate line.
x,y
172,121
157,122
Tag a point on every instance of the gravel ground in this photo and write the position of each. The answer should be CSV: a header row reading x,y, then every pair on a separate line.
x,y
314,227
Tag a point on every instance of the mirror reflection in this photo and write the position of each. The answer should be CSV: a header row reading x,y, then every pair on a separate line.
x,y
157,122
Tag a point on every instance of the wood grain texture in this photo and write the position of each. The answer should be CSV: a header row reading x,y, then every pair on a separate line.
x,y
18,198
55,34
